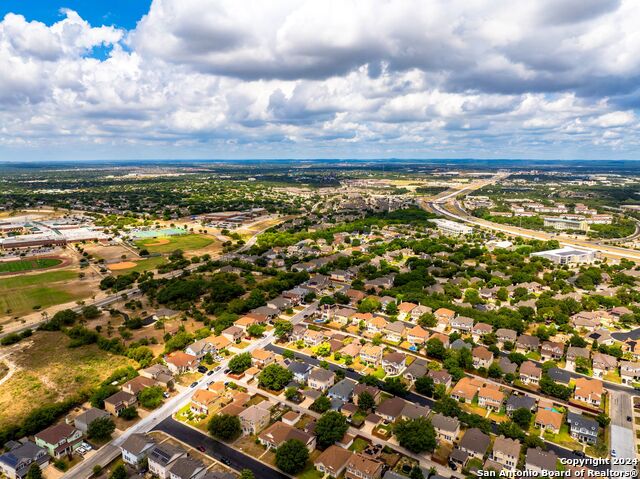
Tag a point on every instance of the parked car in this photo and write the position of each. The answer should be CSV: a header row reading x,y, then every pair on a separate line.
x,y
194,384
210,372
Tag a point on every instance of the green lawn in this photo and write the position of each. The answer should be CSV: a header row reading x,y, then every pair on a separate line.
x,y
148,264
358,445
310,472
36,279
28,264
185,243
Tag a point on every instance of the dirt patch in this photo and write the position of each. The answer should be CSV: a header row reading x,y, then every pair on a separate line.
x,y
122,265
158,242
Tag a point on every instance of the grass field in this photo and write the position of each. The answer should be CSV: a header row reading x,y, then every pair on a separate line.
x,y
185,243
20,294
28,264
143,265
50,371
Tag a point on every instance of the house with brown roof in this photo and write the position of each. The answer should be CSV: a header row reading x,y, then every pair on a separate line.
x,y
363,467
447,428
394,363
443,338
603,364
321,379
233,334
440,377
313,338
506,452
466,389
261,357
137,384
391,409
372,390
530,373
461,324
333,461
179,362
490,397
404,310
255,418
479,330
374,324
117,402
482,357
395,331
504,335
352,349
202,400
527,343
371,353
551,351
549,420
59,440
444,315
417,335
588,391
279,432
573,353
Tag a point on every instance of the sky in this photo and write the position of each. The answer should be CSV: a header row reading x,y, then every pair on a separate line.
x,y
179,79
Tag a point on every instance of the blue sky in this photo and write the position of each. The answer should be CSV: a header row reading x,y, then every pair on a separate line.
x,y
120,79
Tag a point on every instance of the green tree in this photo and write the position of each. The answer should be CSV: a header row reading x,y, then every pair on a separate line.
x,y
435,348
151,397
91,312
292,456
366,402
102,393
321,404
417,435
101,428
225,426
291,393
240,363
119,472
395,386
256,330
34,471
330,428
425,386
416,473
522,417
247,474
129,413
323,350
274,377
283,328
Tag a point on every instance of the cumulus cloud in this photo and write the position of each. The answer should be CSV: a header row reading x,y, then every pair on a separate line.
x,y
352,77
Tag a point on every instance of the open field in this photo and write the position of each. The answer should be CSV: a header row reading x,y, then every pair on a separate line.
x,y
109,253
43,375
21,294
186,243
139,266
28,264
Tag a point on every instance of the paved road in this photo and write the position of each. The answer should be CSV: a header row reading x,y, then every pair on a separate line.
x,y
622,436
218,450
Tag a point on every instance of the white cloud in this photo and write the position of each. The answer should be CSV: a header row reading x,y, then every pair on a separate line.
x,y
220,76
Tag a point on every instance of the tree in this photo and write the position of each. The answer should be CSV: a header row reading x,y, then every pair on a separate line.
x,y
240,363
395,386
291,393
511,430
34,471
119,472
101,428
321,404
494,371
603,419
274,377
522,417
323,350
283,328
435,348
366,402
102,393
417,435
91,312
416,473
330,428
225,426
129,413
292,456
151,397
246,474
425,386
255,330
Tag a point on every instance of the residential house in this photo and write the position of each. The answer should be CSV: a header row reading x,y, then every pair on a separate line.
x,y
602,336
490,397
233,334
506,452
342,390
444,339
539,461
417,312
371,353
160,373
506,366
255,418
504,335
16,462
479,330
466,389
461,324
282,303
414,411
394,363
527,343
549,420
186,468
582,428
137,384
515,402
161,457
261,358
313,338
530,373
117,402
447,428
333,461
482,357
59,440
629,372
374,324
551,351
83,420
279,432
202,400
179,362
135,448
404,310
475,443
417,369
372,390
321,379
300,371
417,335
440,377
394,332
391,409
589,391
360,466
352,349
573,353
603,364
444,316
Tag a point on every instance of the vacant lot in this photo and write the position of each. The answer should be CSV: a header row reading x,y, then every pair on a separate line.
x,y
49,371
28,264
109,253
21,294
186,243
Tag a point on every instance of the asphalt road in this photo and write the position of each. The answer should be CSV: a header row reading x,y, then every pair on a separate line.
x,y
622,437
218,450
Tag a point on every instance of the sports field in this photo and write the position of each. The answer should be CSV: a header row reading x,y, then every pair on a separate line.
x,y
20,294
148,264
28,264
168,244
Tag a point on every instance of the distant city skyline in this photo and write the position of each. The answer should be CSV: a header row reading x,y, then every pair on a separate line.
x,y
218,79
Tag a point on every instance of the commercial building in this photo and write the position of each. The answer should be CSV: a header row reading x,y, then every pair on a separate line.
x,y
568,255
565,224
452,228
